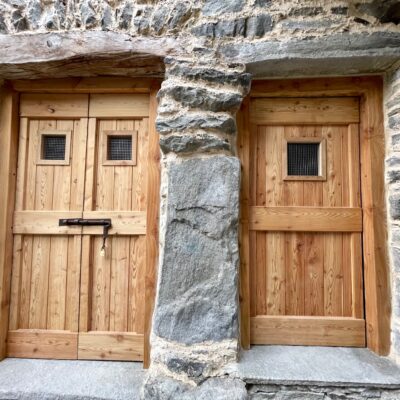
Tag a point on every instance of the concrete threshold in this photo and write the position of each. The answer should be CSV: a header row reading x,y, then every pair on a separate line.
x,y
319,366
23,379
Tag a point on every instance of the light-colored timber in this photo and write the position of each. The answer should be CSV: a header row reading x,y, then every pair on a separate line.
x,y
332,289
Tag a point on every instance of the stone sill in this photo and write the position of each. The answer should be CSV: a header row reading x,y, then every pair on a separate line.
x,y
319,366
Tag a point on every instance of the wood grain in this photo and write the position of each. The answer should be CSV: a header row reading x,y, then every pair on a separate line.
x,y
308,331
117,346
306,219
321,110
31,343
53,105
119,105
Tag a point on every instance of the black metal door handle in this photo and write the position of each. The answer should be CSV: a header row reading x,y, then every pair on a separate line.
x,y
105,223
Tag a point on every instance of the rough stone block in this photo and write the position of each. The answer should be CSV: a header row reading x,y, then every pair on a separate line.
x,y
184,69
393,176
198,282
125,20
218,7
394,121
258,25
222,122
394,203
196,97
179,14
159,19
396,259
306,11
229,28
165,388
192,143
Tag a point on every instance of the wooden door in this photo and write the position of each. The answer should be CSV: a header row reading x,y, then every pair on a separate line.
x,y
113,285
46,261
305,222
80,156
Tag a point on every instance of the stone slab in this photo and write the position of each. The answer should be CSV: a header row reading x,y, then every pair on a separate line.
x,y
23,379
334,366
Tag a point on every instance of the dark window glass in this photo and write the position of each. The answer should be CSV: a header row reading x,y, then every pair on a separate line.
x,y
302,159
53,147
119,148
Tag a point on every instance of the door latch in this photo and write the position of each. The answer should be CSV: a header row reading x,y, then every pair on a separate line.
x,y
105,223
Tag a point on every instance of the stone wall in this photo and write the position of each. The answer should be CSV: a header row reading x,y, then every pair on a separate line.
x,y
392,122
312,392
208,47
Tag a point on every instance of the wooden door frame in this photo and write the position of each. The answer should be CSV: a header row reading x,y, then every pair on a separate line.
x,y
9,134
372,156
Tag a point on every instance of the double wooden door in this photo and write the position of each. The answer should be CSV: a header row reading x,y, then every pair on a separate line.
x,y
305,222
80,156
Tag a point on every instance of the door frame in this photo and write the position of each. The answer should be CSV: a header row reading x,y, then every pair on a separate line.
x,y
9,135
372,156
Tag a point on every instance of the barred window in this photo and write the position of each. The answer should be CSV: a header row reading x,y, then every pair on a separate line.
x,y
303,159
119,148
53,147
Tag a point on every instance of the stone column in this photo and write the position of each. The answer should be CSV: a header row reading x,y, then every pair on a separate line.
x,y
195,329
392,111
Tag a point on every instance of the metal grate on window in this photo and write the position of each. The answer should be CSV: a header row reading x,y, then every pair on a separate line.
x,y
303,159
119,148
53,147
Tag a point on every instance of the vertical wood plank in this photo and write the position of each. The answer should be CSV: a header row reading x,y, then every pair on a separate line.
x,y
8,169
243,146
153,194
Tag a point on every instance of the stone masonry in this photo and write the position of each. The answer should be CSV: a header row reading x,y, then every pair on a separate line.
x,y
195,325
206,50
392,104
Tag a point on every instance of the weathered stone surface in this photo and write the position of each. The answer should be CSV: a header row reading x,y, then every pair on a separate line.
x,y
383,11
19,21
394,202
229,28
394,121
340,10
192,143
107,18
164,388
34,12
89,16
306,11
258,25
197,292
393,176
205,99
219,7
207,74
179,14
126,16
159,19
396,259
221,122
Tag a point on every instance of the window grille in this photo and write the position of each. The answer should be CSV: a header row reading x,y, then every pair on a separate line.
x,y
119,148
53,147
303,159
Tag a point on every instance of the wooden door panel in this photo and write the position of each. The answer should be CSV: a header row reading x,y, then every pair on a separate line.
x,y
46,262
305,255
112,293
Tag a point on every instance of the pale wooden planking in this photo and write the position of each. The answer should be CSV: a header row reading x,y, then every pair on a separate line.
x,y
31,343
333,242
8,170
119,105
323,110
306,219
294,241
260,238
376,272
45,222
123,222
309,331
243,147
85,288
40,105
275,242
153,198
119,346
85,85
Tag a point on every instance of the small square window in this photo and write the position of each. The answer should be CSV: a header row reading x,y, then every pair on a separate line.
x,y
304,159
54,147
119,147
